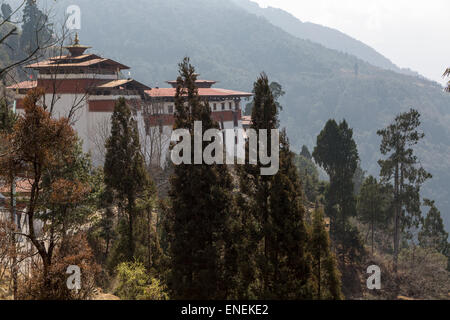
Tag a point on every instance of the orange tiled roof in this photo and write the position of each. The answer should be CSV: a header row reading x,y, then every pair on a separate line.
x,y
118,83
24,85
62,64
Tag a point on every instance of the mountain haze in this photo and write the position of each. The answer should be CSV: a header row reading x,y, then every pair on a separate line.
x,y
328,37
232,45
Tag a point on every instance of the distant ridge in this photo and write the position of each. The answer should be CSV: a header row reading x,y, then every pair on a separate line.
x,y
328,37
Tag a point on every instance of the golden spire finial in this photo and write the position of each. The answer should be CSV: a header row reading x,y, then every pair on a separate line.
x,y
76,41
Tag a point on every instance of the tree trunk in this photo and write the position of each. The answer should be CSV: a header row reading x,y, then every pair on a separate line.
x,y
130,227
14,270
149,239
397,217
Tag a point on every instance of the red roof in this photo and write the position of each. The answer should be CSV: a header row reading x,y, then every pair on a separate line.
x,y
24,85
60,63
203,92
121,83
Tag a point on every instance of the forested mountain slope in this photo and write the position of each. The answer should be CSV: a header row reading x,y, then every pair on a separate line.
x,y
231,45
328,37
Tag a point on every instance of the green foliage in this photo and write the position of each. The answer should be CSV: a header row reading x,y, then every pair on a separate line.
x,y
289,265
309,176
337,153
374,205
134,283
305,153
36,29
327,283
201,197
404,170
319,83
7,117
433,234
71,207
124,171
270,259
277,92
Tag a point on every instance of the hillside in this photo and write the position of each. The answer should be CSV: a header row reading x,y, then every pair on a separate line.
x,y
328,37
231,45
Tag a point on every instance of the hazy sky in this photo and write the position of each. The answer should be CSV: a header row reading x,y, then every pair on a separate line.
x,y
411,33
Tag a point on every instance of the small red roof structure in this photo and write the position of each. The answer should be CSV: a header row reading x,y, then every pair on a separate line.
x,y
199,83
203,92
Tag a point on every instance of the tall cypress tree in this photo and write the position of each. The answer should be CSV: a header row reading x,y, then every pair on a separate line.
x,y
124,169
289,261
272,263
337,153
326,275
201,197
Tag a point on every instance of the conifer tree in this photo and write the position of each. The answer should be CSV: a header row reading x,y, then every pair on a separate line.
x,y
36,29
374,203
433,234
305,153
124,171
337,153
201,198
253,202
7,117
326,275
272,263
403,169
289,262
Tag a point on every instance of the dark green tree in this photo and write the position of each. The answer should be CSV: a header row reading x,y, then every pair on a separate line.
x,y
277,92
433,234
305,153
272,260
36,29
289,264
327,281
374,203
254,206
403,169
125,173
201,198
309,176
7,117
337,154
